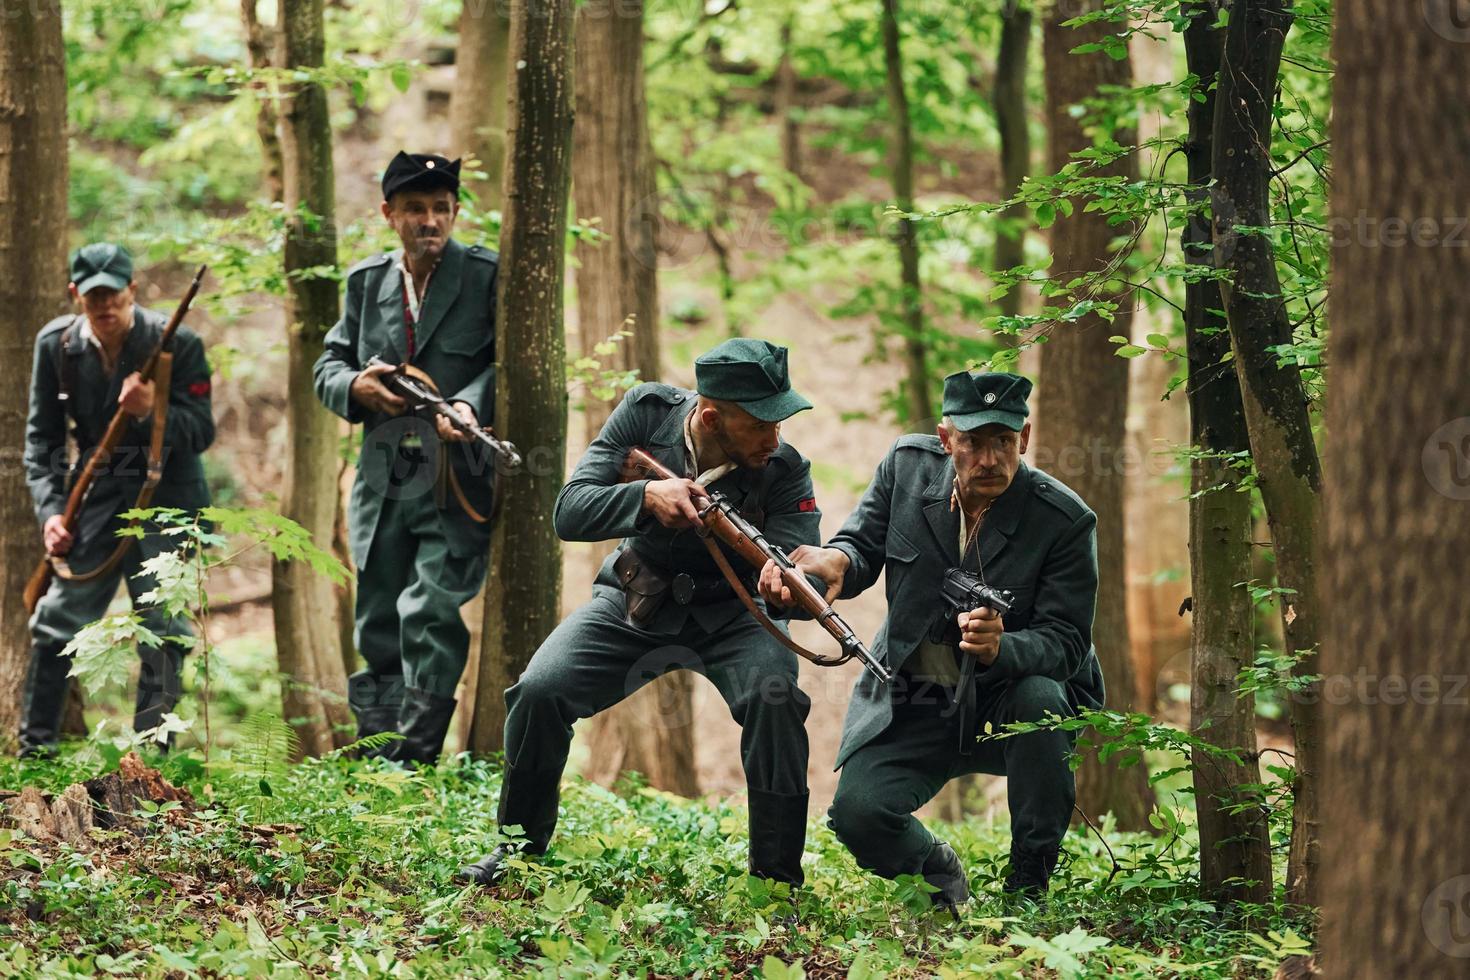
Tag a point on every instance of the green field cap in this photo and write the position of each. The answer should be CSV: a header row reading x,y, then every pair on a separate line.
x,y
751,373
985,398
101,264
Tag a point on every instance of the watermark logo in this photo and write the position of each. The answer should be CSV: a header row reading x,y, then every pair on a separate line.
x,y
1446,917
1450,19
1446,459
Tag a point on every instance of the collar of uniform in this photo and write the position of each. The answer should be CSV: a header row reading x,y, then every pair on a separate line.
x,y
671,431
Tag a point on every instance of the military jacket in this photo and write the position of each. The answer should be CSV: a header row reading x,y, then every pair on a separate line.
x,y
1037,540
89,408
454,343
596,505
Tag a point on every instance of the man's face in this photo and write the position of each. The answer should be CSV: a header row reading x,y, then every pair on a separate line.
x,y
423,221
108,310
747,440
985,459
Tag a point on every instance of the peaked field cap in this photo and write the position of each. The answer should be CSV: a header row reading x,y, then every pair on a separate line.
x,y
101,264
753,374
420,172
973,399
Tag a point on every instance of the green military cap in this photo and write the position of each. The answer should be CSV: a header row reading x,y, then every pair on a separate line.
x,y
751,373
986,397
101,264
420,172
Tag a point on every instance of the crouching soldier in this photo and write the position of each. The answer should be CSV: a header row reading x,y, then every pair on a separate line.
x,y
962,499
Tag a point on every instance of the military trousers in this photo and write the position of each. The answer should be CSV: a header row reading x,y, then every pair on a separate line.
x,y
67,606
409,593
886,780
595,659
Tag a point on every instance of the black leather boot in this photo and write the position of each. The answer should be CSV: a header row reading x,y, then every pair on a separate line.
x,y
375,700
777,835
1030,872
423,721
527,800
43,702
159,684
943,870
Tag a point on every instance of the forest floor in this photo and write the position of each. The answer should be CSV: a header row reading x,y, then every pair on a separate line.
x,y
334,867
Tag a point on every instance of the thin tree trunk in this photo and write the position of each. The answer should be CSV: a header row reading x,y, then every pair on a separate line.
x,y
308,634
920,404
33,175
613,180
1235,847
481,92
1394,888
1083,396
1012,120
1276,416
259,43
786,105
523,603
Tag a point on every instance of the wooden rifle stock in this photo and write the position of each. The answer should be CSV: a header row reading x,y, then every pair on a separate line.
x,y
40,579
723,522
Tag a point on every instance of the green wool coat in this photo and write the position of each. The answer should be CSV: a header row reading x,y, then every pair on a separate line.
x,y
454,345
188,431
1038,540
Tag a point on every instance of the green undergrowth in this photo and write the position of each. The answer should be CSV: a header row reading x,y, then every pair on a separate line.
x,y
343,867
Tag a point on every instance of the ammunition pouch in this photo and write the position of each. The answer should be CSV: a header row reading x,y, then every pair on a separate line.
x,y
646,587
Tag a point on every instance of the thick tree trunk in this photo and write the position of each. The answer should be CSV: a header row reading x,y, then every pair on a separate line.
x,y
1011,119
613,180
478,106
1394,888
1275,404
33,172
260,43
522,605
920,404
1083,397
308,631
1235,847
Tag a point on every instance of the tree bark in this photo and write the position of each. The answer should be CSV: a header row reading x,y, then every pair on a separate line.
x,y
1012,120
481,91
920,403
786,107
613,181
33,182
308,631
1397,512
1235,848
523,604
1083,395
1276,415
259,43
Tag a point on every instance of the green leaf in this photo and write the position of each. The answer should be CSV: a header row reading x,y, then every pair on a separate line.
x,y
401,77
1046,215
1158,340
1129,350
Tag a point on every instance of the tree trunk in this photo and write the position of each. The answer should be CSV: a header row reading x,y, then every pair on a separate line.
x,y
1275,403
477,107
523,604
1011,119
786,105
259,43
613,180
920,405
33,175
1394,888
1083,396
308,634
1235,848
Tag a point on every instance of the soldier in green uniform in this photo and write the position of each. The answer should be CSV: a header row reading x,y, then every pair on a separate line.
x,y
420,550
660,603
963,499
86,368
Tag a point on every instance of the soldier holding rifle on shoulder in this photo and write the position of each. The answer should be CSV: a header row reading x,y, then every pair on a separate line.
x,y
89,378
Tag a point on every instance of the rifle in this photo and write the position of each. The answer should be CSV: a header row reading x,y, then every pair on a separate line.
x,y
419,390
720,520
40,579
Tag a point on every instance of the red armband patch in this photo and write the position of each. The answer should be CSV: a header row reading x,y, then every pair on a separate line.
x,y
199,389
807,506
